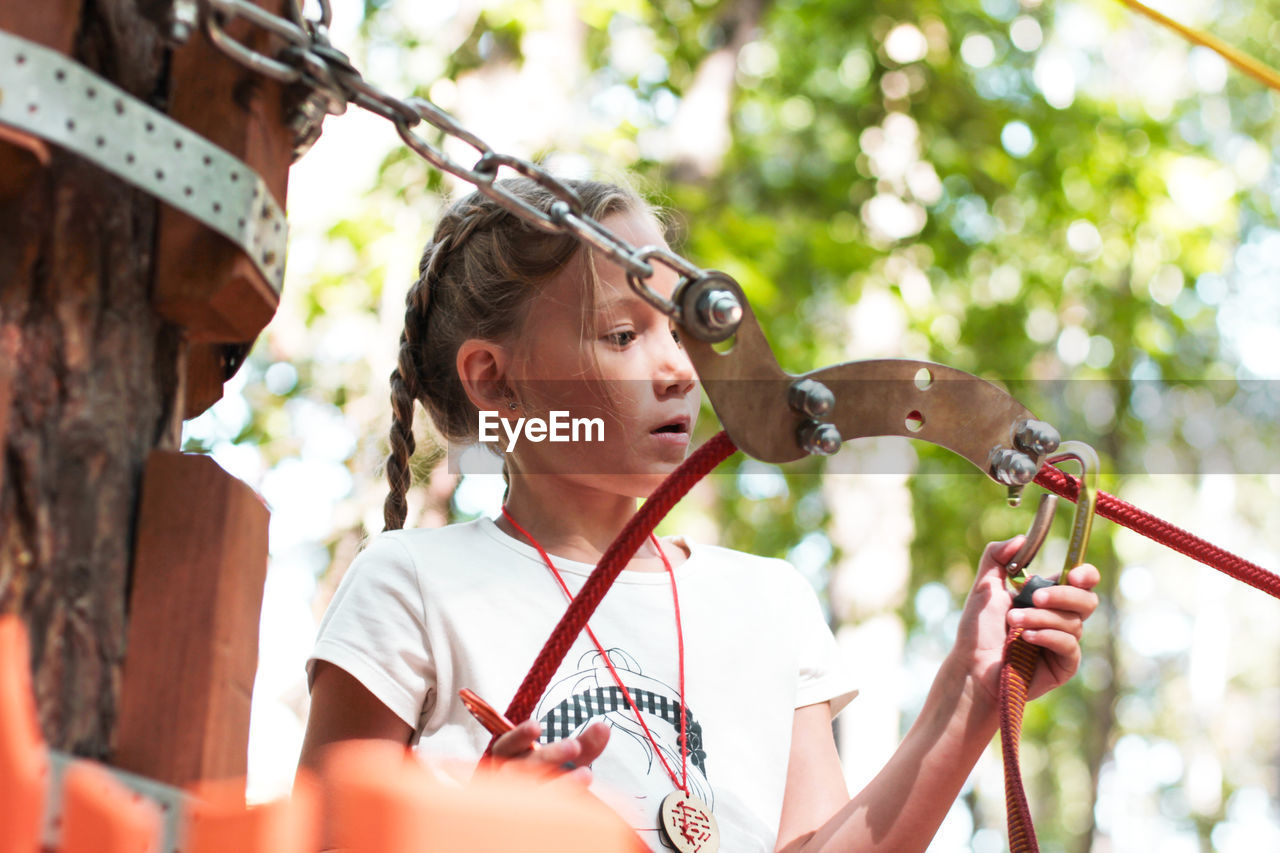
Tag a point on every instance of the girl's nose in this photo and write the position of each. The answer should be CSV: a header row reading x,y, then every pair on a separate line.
x,y
675,373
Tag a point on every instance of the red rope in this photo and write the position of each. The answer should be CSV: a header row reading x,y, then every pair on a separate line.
x,y
681,781
1021,658
698,465
1020,661
1159,530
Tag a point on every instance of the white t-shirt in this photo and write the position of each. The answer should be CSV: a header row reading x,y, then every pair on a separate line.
x,y
422,613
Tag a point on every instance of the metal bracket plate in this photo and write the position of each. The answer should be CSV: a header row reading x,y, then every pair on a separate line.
x,y
44,93
914,399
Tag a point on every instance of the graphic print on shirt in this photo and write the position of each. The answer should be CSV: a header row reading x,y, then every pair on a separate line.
x,y
590,693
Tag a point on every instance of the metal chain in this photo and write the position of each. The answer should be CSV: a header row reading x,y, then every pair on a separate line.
x,y
306,58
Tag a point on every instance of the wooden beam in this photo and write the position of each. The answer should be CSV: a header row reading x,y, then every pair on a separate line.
x,y
204,283
21,157
206,373
52,23
199,567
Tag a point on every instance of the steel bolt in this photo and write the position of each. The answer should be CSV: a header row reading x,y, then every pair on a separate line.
x,y
810,397
1011,467
719,310
1036,437
819,438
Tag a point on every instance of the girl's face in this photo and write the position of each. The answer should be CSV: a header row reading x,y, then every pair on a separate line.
x,y
618,360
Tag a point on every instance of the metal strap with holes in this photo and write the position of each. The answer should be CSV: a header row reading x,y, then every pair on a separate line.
x,y
44,93
172,802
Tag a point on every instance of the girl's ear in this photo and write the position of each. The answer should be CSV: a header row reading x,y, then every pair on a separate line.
x,y
482,368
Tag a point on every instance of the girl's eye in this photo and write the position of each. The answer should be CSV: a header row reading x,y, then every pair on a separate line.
x,y
620,339
675,334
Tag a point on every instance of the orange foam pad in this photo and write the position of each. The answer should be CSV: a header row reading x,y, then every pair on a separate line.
x,y
100,815
219,820
24,761
381,799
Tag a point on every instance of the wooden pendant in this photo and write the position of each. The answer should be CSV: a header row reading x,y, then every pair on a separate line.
x,y
688,825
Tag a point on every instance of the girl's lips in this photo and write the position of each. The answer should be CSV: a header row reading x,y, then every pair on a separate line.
x,y
675,426
674,434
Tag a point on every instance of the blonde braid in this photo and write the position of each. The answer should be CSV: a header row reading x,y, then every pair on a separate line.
x,y
404,390
406,385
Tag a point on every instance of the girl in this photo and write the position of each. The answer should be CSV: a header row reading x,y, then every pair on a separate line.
x,y
716,665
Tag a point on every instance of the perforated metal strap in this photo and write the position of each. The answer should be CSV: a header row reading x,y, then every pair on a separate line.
x,y
48,95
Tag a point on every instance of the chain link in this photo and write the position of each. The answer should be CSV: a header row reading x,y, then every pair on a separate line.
x,y
331,81
215,14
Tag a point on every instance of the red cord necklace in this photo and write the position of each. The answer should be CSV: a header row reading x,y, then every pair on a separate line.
x,y
684,818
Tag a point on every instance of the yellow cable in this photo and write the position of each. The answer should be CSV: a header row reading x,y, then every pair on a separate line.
x,y
1254,68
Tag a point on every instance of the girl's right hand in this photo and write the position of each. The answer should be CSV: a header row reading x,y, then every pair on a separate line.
x,y
567,758
1055,624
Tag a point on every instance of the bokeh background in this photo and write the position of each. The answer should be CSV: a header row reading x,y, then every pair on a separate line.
x,y
1056,195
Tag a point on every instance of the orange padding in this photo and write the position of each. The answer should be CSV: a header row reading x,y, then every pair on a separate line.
x,y
383,800
100,814
24,763
378,798
219,821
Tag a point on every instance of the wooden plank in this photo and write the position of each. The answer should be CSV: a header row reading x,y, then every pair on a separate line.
x,y
21,157
206,373
203,282
199,566
52,23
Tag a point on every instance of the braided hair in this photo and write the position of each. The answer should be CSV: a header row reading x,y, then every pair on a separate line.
x,y
476,276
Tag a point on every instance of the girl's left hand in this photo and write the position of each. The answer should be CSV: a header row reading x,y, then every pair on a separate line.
x,y
569,757
1055,624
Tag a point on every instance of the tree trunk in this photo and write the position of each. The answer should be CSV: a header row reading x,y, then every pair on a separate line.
x,y
94,381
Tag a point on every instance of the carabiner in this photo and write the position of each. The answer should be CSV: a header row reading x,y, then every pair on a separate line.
x,y
1015,569
1081,525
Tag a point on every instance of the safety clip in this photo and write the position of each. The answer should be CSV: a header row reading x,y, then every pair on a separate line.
x,y
1081,525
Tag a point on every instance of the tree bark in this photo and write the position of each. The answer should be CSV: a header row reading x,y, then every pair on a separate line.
x,y
93,390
